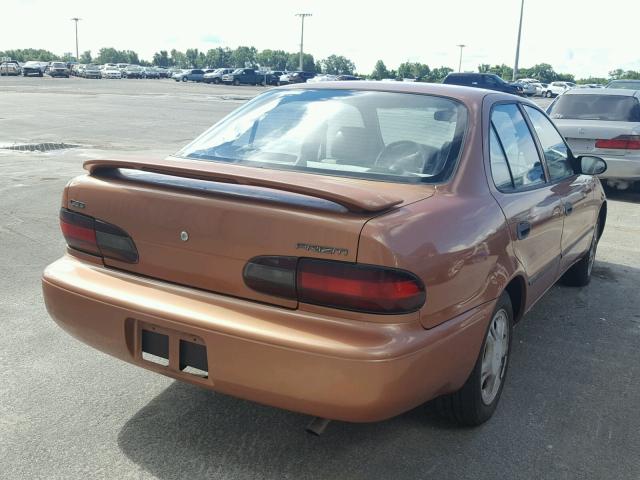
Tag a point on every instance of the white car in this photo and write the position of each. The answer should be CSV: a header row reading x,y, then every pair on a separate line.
x,y
605,123
322,78
111,72
558,88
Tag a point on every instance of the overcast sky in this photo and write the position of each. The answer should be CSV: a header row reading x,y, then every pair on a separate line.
x,y
575,36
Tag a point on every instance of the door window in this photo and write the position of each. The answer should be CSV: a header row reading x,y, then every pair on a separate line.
x,y
518,146
556,153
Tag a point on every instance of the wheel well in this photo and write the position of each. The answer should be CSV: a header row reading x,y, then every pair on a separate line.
x,y
516,291
602,219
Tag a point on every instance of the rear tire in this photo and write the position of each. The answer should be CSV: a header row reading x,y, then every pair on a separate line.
x,y
478,398
579,275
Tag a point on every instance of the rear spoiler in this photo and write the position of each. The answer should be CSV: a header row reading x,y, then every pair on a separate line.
x,y
354,196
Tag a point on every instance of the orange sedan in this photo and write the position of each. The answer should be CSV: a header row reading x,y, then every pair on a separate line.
x,y
348,250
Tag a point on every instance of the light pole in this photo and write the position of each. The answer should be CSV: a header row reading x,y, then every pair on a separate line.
x,y
302,15
515,67
460,62
76,19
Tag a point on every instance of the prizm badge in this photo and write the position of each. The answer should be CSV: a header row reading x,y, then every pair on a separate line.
x,y
320,249
77,203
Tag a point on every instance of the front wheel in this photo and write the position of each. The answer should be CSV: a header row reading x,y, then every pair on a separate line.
x,y
184,79
236,82
478,398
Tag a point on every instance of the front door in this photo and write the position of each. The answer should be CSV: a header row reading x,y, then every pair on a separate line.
x,y
577,191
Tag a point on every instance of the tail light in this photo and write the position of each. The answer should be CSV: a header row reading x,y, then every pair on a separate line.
x,y
622,142
341,285
96,237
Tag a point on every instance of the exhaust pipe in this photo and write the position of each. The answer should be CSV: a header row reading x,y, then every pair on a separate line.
x,y
317,426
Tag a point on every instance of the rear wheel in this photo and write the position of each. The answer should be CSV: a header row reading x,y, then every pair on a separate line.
x,y
478,398
580,274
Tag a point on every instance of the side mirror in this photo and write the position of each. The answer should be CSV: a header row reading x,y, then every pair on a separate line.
x,y
590,165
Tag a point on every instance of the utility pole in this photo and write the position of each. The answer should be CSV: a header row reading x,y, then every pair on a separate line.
x,y
460,62
302,15
515,67
76,19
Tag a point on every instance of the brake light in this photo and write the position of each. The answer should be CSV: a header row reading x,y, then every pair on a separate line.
x,y
342,285
96,237
622,142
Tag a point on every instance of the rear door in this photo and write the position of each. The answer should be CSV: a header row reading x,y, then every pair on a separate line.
x,y
531,204
578,205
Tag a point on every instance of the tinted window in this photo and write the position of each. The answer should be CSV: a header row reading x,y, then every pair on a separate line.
x,y
499,168
626,84
518,145
620,108
341,132
556,152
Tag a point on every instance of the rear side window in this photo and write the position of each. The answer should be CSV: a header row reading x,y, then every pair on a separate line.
x,y
518,146
499,167
556,153
614,108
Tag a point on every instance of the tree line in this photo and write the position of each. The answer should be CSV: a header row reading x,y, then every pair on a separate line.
x,y
282,60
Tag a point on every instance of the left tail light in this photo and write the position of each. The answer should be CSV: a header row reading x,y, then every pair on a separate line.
x,y
621,142
342,285
96,237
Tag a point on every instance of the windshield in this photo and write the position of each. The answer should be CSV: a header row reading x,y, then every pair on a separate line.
x,y
364,134
58,65
617,108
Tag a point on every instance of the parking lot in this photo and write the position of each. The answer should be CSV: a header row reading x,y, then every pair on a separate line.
x,y
569,409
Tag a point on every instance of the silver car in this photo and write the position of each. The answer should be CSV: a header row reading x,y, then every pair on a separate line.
x,y
605,123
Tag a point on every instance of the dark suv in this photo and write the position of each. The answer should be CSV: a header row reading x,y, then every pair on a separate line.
x,y
483,80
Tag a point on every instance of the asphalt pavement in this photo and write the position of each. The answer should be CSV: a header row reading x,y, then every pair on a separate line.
x,y
569,409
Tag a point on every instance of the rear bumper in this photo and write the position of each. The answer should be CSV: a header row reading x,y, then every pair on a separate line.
x,y
309,363
622,168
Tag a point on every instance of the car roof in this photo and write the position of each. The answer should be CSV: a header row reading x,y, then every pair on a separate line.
x,y
624,92
468,95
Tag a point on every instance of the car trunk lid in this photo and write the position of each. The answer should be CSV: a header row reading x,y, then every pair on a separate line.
x,y
582,135
197,223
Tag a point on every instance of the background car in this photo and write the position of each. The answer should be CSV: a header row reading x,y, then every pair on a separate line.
x,y
216,75
482,80
122,66
528,87
558,88
111,72
323,78
296,77
246,76
150,72
57,69
626,84
32,68
10,67
189,75
91,71
603,122
133,71
347,78
162,72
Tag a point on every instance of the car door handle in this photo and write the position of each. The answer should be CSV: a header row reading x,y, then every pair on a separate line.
x,y
523,229
568,208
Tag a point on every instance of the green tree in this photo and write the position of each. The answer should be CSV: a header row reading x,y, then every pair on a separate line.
x,y
26,54
242,56
161,58
380,71
308,63
218,57
85,57
417,71
437,74
275,59
178,59
337,65
192,57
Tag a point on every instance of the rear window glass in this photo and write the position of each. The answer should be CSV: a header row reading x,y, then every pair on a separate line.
x,y
363,134
617,108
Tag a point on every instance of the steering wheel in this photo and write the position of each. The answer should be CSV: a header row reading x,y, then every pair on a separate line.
x,y
404,156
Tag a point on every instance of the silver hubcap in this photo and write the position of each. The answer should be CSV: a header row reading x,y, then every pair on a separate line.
x,y
494,357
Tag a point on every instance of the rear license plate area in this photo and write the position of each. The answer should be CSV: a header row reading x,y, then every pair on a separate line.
x,y
177,351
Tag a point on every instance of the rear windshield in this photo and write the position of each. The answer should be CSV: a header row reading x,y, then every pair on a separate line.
x,y
626,84
616,108
364,134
